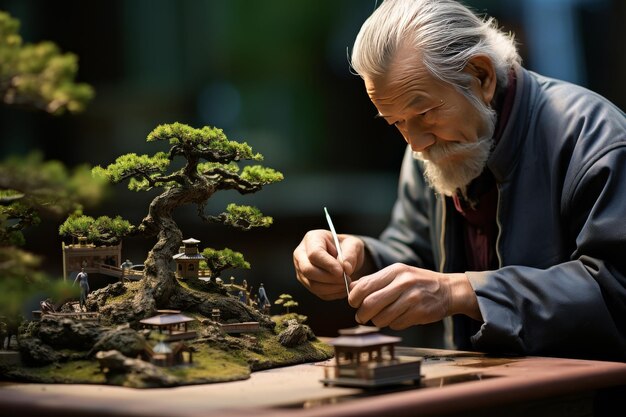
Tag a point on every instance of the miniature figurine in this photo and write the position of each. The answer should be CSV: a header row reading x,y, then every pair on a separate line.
x,y
47,306
264,302
83,281
126,268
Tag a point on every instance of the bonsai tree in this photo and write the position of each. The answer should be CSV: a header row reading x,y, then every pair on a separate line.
x,y
209,164
216,261
40,77
101,231
286,301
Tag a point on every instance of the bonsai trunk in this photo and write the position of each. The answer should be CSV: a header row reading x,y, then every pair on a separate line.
x,y
159,278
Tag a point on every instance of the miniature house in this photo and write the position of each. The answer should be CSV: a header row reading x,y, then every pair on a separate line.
x,y
173,326
94,259
366,358
188,259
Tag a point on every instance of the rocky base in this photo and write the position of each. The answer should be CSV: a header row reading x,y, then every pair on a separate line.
x,y
113,349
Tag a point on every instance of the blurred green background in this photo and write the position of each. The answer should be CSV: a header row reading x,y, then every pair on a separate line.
x,y
275,74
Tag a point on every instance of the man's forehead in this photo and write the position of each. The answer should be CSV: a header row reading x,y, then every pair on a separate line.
x,y
410,86
405,74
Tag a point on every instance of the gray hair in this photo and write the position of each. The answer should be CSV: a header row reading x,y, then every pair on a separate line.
x,y
447,34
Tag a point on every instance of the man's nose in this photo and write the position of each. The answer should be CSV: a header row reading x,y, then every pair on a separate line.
x,y
418,137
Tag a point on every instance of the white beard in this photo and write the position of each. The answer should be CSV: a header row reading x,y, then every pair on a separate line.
x,y
451,165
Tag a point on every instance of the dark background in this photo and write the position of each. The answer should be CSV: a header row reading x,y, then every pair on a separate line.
x,y
275,74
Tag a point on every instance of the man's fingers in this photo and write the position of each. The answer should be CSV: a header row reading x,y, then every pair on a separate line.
x,y
352,249
311,269
323,289
403,321
369,284
380,305
392,312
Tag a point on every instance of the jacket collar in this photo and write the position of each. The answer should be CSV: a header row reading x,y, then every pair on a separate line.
x,y
504,157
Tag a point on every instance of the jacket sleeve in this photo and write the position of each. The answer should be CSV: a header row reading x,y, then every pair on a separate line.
x,y
407,238
575,308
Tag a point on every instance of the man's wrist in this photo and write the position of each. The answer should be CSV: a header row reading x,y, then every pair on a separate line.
x,y
462,297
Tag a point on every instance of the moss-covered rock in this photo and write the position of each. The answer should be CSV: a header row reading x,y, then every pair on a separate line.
x,y
125,340
35,353
68,333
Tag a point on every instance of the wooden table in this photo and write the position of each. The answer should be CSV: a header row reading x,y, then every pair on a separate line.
x,y
454,383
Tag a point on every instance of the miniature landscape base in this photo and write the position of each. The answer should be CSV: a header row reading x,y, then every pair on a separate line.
x,y
210,365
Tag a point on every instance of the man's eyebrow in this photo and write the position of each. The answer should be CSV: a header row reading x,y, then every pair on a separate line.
x,y
417,100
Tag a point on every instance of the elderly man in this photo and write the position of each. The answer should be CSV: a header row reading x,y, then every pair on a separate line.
x,y
509,224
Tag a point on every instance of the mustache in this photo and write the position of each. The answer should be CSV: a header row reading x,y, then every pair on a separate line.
x,y
449,150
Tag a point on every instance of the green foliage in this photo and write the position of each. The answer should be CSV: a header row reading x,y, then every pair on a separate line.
x,y
205,167
103,230
31,188
13,218
283,298
22,280
48,186
38,75
245,217
210,165
287,301
209,143
143,171
218,260
282,320
260,174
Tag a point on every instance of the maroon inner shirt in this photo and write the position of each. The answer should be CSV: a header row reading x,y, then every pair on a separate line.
x,y
479,228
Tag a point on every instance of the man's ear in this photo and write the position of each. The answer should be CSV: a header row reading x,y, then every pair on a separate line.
x,y
482,69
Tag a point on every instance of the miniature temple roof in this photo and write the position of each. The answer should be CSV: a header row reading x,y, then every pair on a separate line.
x,y
359,330
166,319
191,241
372,339
183,255
363,336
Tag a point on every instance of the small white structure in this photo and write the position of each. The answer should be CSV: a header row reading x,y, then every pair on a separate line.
x,y
188,259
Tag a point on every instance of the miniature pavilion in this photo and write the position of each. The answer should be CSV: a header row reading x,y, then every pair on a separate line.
x,y
94,259
188,259
174,326
366,358
362,344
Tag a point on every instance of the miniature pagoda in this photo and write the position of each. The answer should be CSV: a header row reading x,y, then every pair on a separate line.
x,y
173,326
366,358
188,259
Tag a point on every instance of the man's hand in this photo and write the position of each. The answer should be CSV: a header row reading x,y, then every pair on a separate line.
x,y
318,268
401,296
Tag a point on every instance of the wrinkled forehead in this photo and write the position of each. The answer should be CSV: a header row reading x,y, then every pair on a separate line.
x,y
406,72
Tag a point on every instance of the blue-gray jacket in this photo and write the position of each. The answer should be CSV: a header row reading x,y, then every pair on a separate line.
x,y
560,168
